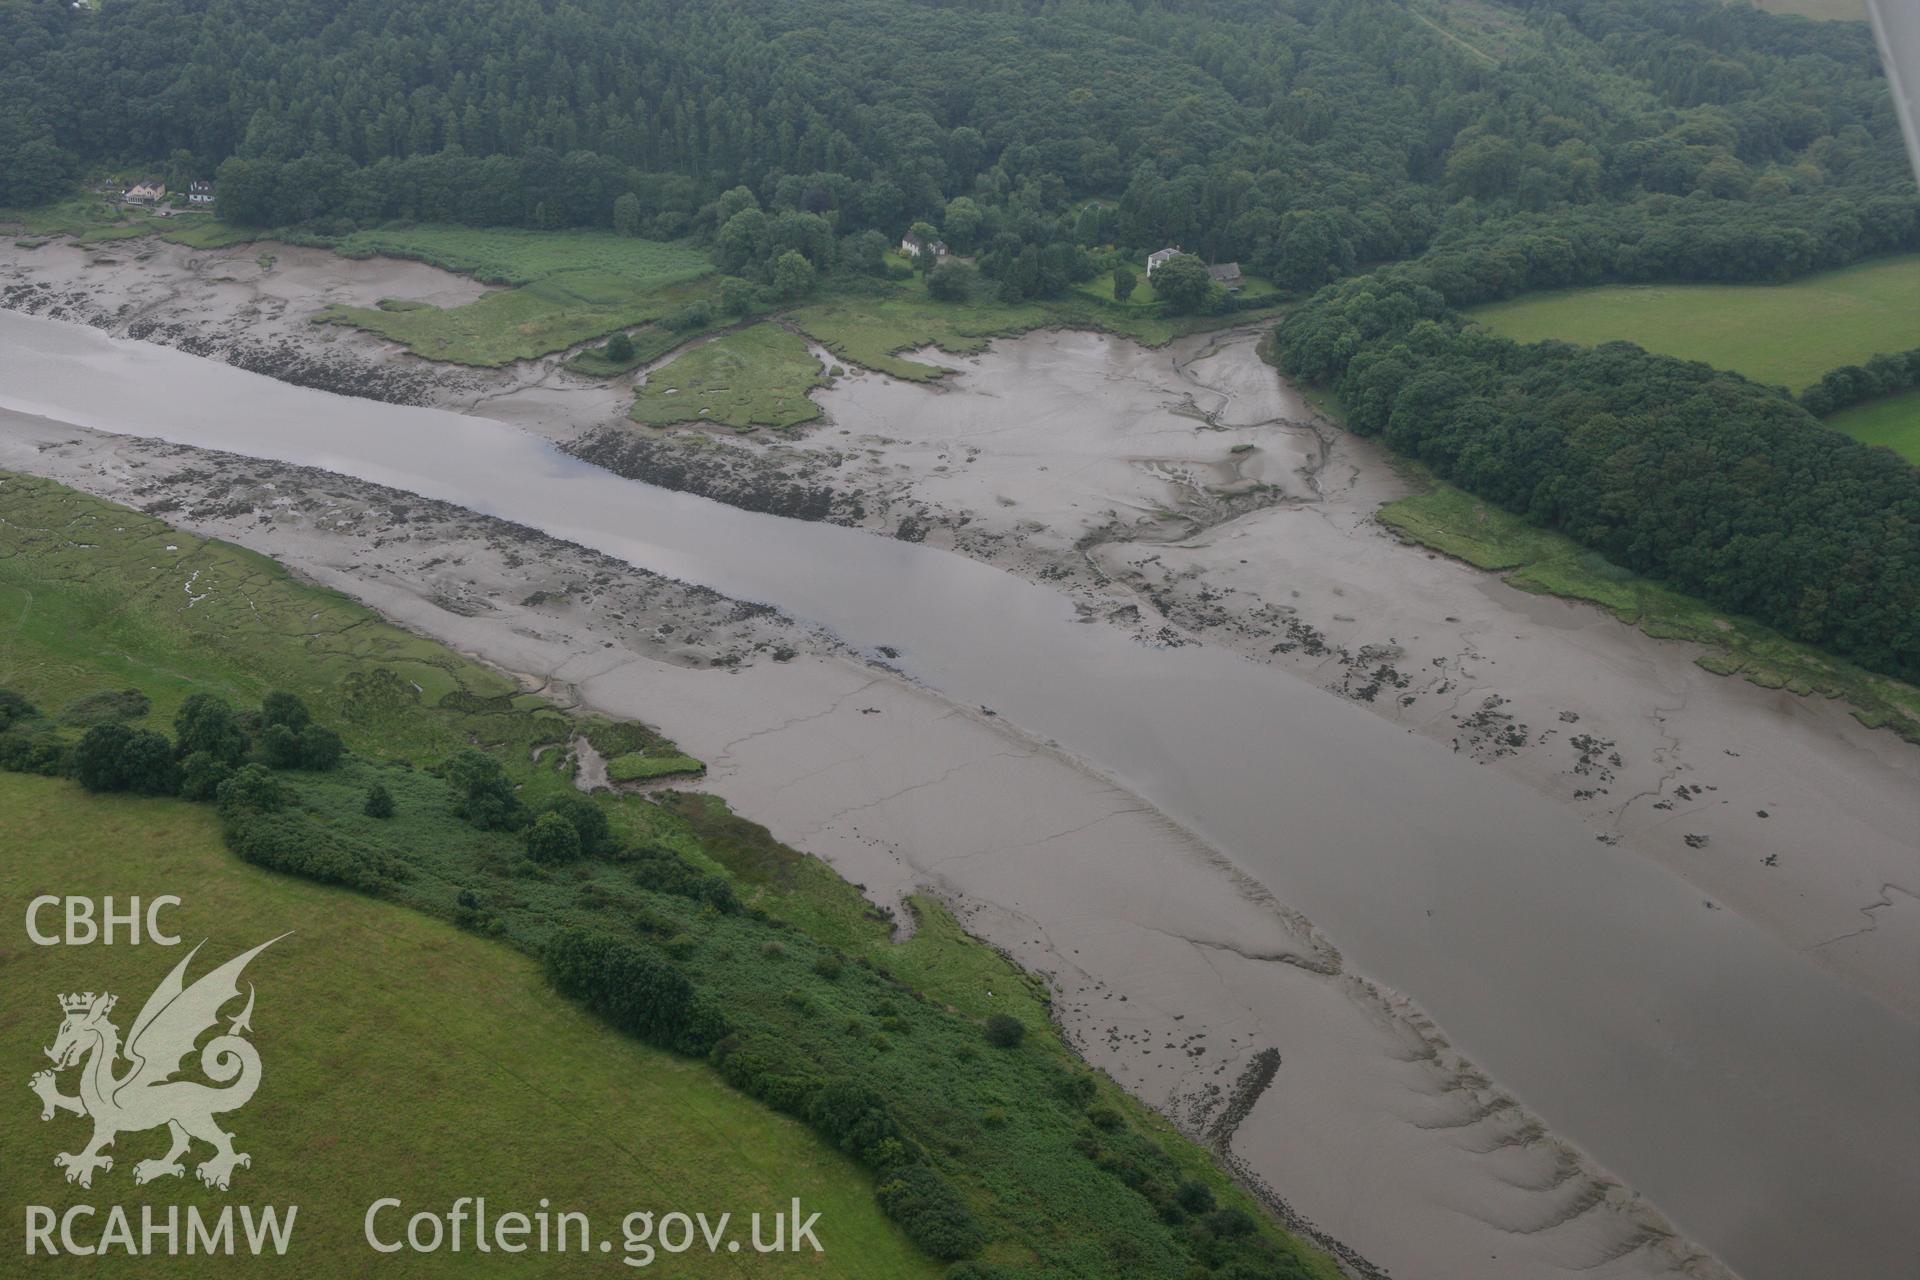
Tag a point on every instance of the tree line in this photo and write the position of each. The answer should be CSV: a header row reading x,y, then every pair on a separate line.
x,y
1884,375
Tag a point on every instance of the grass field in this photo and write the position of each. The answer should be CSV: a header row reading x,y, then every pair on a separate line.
x,y
1893,422
96,598
401,1057
93,596
1541,560
567,287
1786,334
755,377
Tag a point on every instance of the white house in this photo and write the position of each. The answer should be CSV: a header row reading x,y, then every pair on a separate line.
x,y
913,246
199,193
1155,260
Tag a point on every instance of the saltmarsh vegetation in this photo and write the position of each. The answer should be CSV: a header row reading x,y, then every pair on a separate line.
x,y
563,288
670,917
873,326
1541,560
755,377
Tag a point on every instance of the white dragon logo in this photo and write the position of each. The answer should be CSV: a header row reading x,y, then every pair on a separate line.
x,y
146,1095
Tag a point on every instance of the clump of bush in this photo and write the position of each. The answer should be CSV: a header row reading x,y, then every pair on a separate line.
x,y
15,709
289,842
201,775
1194,1196
312,747
250,790
931,1211
379,802
281,707
1004,1031
482,793
28,743
697,314
206,726
587,819
114,757
27,748
632,987
552,840
854,1117
765,1068
665,871
952,282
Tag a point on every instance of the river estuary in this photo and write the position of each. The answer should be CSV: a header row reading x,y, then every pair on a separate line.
x,y
1767,1108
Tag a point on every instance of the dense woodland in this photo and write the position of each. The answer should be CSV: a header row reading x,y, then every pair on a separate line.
x,y
1301,138
1349,144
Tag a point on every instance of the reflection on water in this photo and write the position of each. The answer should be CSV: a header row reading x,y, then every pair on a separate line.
x,y
1765,1107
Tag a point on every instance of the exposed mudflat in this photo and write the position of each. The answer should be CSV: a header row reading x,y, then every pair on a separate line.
x,y
251,306
1184,496
1189,493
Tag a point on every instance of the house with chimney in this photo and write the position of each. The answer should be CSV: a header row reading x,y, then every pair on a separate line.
x,y
1156,260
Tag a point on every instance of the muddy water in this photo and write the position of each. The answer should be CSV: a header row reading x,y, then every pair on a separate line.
x,y
1763,1105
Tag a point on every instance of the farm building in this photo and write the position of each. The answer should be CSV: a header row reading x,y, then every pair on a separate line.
x,y
1227,276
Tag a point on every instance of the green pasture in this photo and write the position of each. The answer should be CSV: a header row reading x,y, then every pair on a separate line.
x,y
1781,334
